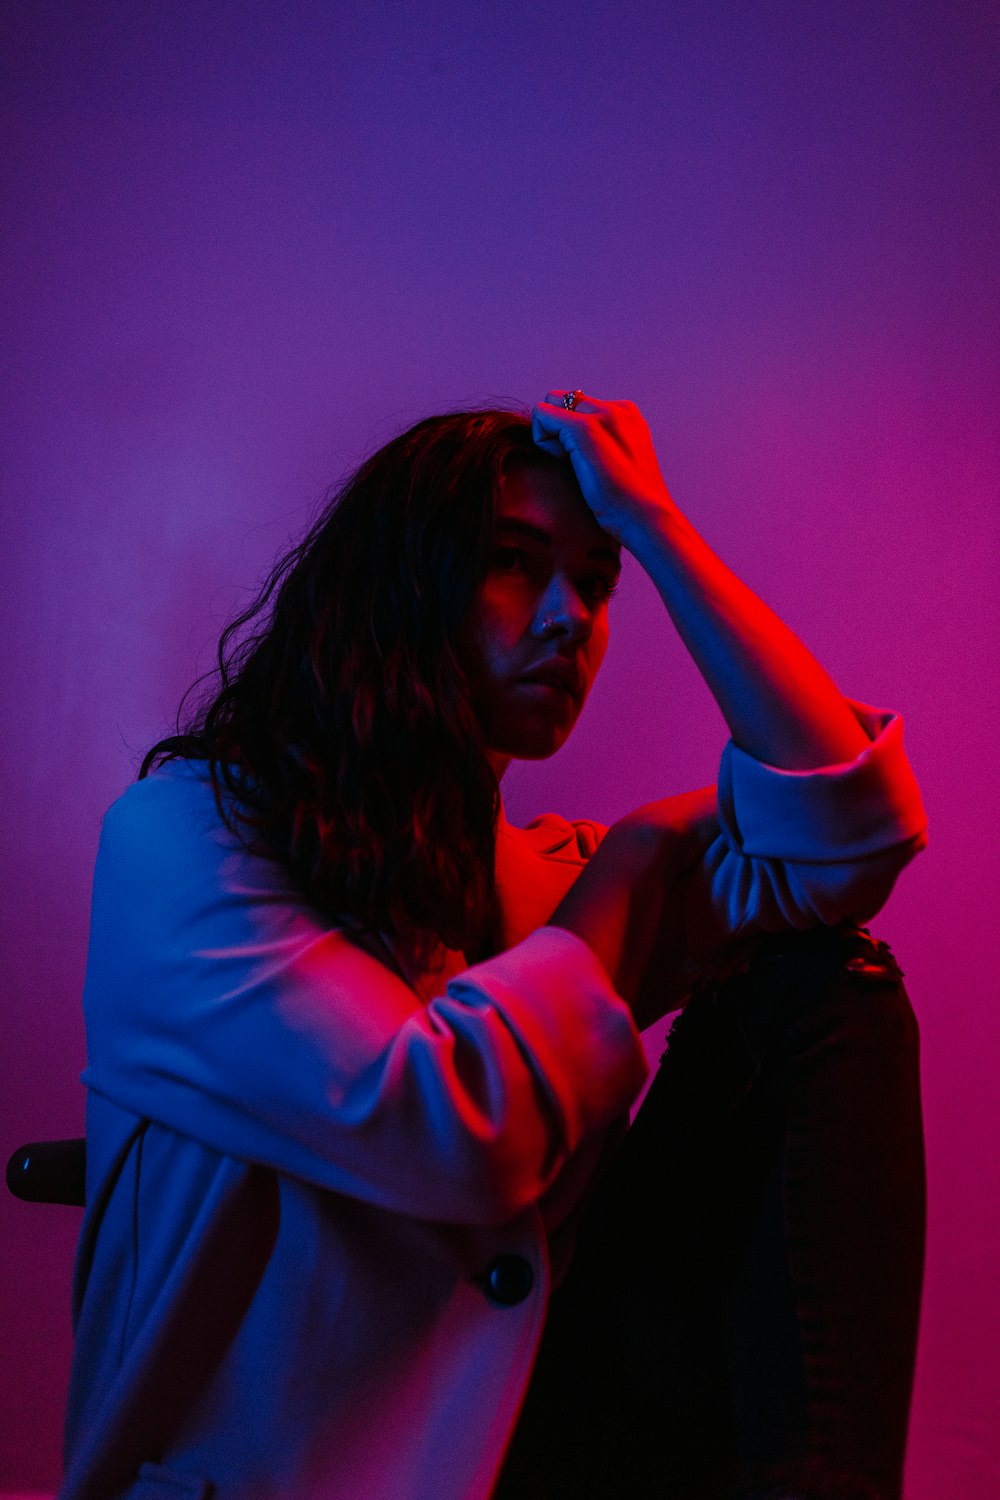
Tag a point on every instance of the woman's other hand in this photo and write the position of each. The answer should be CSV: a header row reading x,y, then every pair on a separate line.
x,y
624,905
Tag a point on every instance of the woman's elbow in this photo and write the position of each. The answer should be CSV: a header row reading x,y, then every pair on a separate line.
x,y
858,892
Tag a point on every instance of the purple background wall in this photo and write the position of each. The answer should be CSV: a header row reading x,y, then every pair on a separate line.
x,y
244,243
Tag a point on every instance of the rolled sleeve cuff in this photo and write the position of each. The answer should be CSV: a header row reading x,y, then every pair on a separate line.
x,y
834,813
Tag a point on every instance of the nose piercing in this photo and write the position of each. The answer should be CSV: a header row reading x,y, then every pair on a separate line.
x,y
548,622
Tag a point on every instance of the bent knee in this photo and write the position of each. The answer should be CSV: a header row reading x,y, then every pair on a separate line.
x,y
842,965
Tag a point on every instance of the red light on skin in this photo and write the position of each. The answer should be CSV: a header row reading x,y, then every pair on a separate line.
x,y
550,692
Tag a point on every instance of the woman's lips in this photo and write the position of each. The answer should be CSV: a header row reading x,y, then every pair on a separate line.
x,y
552,687
556,674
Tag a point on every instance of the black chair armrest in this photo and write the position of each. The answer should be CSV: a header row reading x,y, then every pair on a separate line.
x,y
50,1172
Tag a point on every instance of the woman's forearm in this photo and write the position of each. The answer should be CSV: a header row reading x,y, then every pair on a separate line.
x,y
624,902
781,706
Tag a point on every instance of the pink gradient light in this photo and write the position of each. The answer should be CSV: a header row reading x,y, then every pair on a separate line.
x,y
243,246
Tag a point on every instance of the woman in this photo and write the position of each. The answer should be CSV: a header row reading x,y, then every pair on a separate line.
x,y
359,1050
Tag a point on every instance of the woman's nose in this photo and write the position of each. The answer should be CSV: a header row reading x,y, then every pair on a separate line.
x,y
561,606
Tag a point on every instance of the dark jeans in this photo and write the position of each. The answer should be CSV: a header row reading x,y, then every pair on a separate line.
x,y
740,1318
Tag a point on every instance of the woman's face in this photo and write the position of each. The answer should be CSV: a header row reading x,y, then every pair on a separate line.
x,y
541,612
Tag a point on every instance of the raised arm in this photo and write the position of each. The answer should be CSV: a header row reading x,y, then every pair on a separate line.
x,y
817,808
781,706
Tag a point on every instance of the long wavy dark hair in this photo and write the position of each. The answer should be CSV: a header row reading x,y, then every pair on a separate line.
x,y
340,732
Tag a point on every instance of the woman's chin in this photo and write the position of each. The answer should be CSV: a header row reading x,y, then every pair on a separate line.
x,y
532,731
537,744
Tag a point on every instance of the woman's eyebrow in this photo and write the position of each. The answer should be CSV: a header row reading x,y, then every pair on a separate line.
x,y
537,534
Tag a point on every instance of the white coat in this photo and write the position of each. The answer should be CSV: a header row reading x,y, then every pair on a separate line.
x,y
323,1206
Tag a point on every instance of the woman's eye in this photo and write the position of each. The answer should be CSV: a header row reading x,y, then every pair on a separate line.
x,y
595,587
602,588
508,559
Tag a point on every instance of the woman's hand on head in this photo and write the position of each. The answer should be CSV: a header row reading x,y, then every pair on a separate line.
x,y
611,450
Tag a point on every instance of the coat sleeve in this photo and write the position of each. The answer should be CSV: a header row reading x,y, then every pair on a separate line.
x,y
785,849
223,1006
804,848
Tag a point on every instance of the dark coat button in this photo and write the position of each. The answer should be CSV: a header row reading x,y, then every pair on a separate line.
x,y
507,1280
